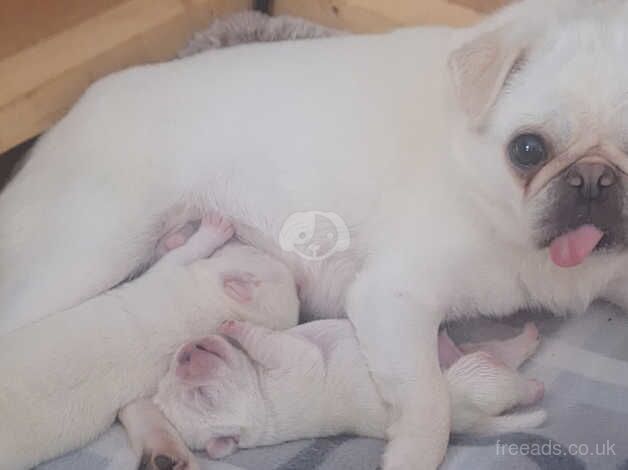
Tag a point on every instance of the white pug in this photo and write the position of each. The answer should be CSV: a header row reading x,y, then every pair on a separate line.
x,y
471,167
312,380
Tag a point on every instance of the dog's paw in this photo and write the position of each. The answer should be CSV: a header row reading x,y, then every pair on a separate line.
x,y
163,451
217,227
403,454
155,460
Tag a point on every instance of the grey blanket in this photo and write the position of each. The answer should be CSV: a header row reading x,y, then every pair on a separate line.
x,y
583,362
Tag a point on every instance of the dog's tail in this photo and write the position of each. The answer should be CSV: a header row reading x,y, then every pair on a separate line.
x,y
492,425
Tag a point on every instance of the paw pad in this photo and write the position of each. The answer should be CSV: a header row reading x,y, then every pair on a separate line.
x,y
160,462
163,462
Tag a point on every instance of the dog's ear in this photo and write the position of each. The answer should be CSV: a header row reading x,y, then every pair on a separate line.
x,y
480,68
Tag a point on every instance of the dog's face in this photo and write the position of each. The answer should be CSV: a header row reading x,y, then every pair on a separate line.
x,y
209,394
547,103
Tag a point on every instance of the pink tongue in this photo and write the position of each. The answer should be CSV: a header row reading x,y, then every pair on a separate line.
x,y
572,248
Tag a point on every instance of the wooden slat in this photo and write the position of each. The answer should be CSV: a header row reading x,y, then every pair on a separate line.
x,y
484,6
40,82
378,15
27,22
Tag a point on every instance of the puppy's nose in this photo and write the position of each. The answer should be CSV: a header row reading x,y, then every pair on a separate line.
x,y
185,356
591,179
213,345
189,350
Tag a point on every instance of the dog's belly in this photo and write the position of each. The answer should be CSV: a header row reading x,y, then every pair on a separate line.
x,y
194,135
322,284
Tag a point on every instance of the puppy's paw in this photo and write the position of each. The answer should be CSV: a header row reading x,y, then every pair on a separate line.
x,y
405,454
217,227
533,393
531,338
175,239
162,451
165,461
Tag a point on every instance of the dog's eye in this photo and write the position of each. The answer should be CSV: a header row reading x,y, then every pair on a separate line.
x,y
527,150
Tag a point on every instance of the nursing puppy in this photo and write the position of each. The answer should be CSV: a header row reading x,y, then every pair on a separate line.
x,y
183,293
466,170
312,380
482,384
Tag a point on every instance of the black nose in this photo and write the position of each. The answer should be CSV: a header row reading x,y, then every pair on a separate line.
x,y
591,179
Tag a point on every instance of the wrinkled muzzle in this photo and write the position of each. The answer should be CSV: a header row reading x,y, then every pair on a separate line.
x,y
584,208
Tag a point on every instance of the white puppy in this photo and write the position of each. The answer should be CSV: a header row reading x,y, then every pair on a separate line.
x,y
482,384
238,281
312,380
470,168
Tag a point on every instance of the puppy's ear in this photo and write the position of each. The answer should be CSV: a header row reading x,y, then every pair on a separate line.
x,y
480,68
239,285
220,447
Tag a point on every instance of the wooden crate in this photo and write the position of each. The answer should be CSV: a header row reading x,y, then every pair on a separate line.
x,y
380,15
51,50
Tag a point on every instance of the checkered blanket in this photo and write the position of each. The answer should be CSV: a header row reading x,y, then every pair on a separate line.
x,y
583,362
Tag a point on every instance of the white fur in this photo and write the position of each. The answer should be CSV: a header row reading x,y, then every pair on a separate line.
x,y
72,356
366,127
312,380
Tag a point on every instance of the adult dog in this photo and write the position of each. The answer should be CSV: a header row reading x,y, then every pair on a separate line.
x,y
469,166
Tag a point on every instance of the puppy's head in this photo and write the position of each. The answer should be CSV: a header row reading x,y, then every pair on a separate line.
x,y
544,93
209,394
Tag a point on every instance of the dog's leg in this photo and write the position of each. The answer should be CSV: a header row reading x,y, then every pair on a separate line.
x,y
59,249
398,334
156,443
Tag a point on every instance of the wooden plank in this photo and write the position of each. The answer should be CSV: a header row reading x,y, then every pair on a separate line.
x,y
27,22
378,15
39,83
483,6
